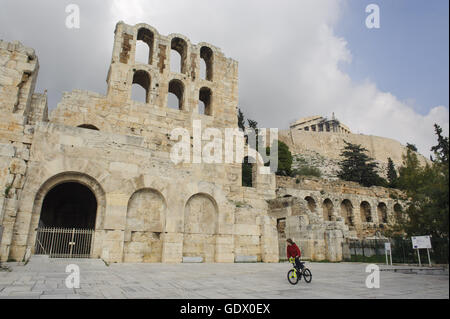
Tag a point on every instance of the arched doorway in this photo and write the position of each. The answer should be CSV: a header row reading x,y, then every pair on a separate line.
x,y
145,222
69,205
200,223
67,221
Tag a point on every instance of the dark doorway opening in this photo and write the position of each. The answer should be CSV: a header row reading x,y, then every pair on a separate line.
x,y
69,205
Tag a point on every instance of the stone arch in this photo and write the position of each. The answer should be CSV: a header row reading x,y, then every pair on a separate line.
x,y
366,213
147,37
176,88
206,55
89,127
200,227
382,213
179,45
311,204
61,178
141,78
347,212
146,213
205,97
327,207
69,205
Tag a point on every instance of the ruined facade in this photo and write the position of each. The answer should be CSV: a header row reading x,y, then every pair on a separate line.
x,y
320,124
102,162
321,215
145,207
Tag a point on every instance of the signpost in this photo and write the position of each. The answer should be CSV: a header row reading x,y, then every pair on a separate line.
x,y
422,242
387,247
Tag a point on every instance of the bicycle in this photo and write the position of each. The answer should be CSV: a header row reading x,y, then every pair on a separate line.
x,y
295,274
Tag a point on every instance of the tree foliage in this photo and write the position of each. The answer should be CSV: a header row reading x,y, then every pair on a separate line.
x,y
392,175
357,166
428,188
241,120
284,159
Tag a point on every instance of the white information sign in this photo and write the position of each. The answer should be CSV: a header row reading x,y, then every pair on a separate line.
x,y
387,248
421,242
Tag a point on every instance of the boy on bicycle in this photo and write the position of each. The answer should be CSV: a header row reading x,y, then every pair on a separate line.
x,y
294,251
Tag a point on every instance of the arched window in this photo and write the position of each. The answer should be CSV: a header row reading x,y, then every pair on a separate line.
x,y
248,172
89,127
327,209
347,212
311,203
175,96
144,46
204,101
365,212
382,213
206,63
178,55
140,90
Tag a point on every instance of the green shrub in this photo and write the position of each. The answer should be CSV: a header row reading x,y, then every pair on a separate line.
x,y
307,171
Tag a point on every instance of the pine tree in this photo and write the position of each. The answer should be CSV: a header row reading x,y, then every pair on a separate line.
x,y
412,147
392,173
357,166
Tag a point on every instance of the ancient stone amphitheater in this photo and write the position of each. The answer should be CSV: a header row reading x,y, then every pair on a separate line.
x,y
94,178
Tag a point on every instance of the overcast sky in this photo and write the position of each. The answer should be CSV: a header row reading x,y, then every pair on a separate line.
x,y
296,58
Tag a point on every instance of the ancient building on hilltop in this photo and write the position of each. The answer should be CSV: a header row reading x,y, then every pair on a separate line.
x,y
95,177
320,124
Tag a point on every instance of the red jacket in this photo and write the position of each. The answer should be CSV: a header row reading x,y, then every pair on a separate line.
x,y
293,251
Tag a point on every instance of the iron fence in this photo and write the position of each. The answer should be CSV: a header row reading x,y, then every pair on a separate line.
x,y
372,250
64,242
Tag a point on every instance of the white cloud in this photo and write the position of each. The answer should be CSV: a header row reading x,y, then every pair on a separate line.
x,y
289,61
288,56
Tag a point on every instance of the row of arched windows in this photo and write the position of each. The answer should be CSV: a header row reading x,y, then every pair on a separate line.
x,y
178,54
175,96
348,214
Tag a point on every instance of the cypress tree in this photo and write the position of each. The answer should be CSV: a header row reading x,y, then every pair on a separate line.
x,y
392,173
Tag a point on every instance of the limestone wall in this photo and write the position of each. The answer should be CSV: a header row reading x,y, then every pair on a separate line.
x,y
320,214
149,209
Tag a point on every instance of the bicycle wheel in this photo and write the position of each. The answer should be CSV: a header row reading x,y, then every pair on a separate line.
x,y
307,275
292,277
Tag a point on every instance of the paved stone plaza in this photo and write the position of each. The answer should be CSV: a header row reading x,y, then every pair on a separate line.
x,y
45,278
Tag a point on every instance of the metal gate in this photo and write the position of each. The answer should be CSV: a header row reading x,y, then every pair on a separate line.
x,y
64,242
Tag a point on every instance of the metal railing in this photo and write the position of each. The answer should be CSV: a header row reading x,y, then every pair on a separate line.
x,y
64,242
373,250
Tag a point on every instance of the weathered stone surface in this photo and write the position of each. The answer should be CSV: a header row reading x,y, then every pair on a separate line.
x,y
147,208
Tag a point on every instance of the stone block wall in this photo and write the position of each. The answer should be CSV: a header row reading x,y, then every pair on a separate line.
x,y
149,209
319,215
